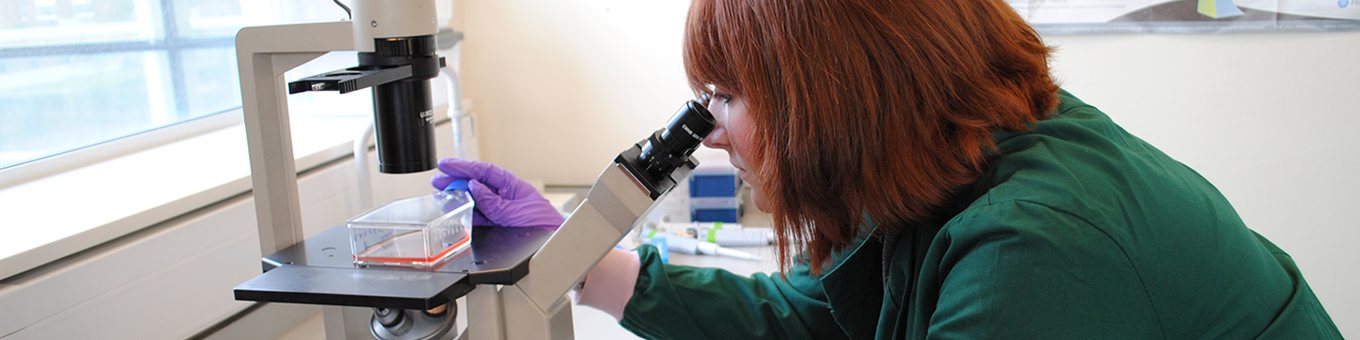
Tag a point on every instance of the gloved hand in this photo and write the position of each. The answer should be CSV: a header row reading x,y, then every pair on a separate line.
x,y
501,198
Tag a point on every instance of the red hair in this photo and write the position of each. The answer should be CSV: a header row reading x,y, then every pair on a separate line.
x,y
868,110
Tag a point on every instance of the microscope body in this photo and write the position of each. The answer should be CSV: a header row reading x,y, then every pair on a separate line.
x,y
265,53
396,59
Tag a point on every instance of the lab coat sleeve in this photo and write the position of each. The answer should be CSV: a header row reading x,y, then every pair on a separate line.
x,y
681,302
1022,270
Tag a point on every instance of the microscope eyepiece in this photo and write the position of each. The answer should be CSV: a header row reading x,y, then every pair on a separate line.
x,y
671,146
663,159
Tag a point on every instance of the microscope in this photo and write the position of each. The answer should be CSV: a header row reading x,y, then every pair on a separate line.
x,y
515,280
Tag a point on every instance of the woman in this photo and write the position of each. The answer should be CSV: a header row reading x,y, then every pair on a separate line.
x,y
928,178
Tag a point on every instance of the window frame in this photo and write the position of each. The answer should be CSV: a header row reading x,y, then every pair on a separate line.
x,y
117,165
174,45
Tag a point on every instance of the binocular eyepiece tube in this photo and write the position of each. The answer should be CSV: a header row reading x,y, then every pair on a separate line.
x,y
671,146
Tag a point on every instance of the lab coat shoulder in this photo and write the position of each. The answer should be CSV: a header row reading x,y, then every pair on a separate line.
x,y
1022,269
1083,230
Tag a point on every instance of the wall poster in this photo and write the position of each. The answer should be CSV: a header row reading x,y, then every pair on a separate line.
x,y
1189,16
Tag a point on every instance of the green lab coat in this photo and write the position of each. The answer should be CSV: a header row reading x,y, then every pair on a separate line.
x,y
1077,230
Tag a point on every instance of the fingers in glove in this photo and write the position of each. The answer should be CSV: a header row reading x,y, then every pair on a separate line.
x,y
457,167
441,181
495,177
487,201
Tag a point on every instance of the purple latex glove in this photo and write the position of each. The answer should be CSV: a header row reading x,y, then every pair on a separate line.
x,y
501,198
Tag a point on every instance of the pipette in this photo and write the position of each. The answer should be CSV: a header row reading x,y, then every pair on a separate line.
x,y
685,245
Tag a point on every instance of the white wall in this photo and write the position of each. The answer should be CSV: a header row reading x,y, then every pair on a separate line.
x,y
562,86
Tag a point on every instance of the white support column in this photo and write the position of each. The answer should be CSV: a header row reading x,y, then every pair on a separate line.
x,y
533,322
263,54
484,312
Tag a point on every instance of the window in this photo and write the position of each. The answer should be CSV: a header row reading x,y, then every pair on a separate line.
x,y
76,73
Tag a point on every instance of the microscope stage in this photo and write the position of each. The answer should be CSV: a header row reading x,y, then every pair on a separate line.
x,y
320,270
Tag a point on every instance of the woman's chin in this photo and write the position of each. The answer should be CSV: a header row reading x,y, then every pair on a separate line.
x,y
758,201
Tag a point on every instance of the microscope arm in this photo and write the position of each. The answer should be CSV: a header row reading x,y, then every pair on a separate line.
x,y
264,53
614,204
535,307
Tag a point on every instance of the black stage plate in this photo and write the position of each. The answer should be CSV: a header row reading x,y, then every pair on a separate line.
x,y
320,270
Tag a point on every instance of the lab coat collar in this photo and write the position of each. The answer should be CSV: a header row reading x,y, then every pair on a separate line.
x,y
854,287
